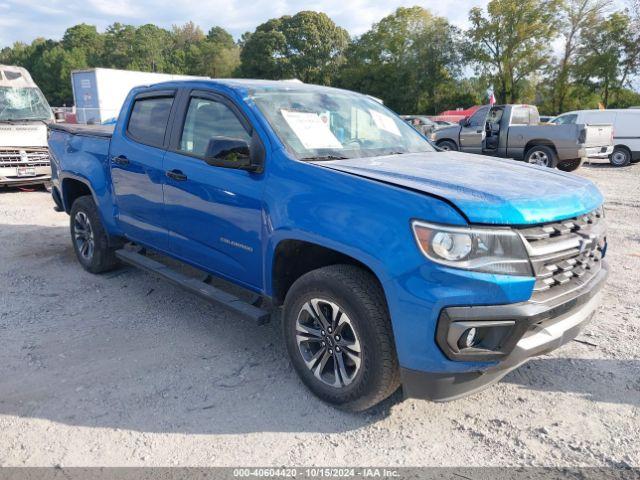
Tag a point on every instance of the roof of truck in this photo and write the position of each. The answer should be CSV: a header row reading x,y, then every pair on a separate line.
x,y
245,85
11,76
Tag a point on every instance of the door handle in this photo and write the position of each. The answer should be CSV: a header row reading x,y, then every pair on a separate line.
x,y
176,175
121,160
479,131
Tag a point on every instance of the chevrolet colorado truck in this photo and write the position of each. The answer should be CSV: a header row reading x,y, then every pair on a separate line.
x,y
387,262
515,131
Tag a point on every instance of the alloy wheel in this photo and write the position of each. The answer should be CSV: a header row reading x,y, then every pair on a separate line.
x,y
83,235
328,341
539,158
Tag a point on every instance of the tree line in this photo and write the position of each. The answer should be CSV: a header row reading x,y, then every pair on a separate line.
x,y
559,54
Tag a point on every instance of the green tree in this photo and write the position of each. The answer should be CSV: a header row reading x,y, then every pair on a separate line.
x,y
576,16
307,46
411,48
85,38
511,41
610,56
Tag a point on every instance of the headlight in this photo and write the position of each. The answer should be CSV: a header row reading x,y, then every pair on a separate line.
x,y
491,250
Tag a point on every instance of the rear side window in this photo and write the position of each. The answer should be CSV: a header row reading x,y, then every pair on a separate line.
x,y
524,116
148,120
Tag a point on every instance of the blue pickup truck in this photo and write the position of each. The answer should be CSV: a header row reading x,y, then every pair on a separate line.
x,y
387,262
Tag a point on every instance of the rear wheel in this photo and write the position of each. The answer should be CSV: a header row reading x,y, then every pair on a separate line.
x,y
570,165
621,157
89,237
447,146
541,155
338,334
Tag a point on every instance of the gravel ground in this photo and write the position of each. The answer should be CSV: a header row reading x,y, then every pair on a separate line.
x,y
124,369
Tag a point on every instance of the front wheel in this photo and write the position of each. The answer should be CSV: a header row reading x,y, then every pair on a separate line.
x,y
89,237
570,165
447,146
338,334
621,157
541,155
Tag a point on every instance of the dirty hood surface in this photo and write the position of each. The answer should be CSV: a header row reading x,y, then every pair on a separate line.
x,y
485,189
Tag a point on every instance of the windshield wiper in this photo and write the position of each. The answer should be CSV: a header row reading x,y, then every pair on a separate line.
x,y
323,158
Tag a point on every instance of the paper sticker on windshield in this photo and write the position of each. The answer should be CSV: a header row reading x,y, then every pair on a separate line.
x,y
311,130
384,122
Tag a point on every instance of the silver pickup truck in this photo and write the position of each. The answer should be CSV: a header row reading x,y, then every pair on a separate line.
x,y
515,131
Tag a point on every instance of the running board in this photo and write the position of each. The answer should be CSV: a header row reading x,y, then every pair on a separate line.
x,y
193,285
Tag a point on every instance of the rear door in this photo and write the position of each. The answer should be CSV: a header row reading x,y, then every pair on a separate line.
x,y
472,134
136,155
214,214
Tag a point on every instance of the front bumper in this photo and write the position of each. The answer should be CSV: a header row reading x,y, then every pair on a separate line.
x,y
8,176
540,329
599,152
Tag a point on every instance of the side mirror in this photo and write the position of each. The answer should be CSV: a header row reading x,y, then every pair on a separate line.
x,y
229,152
465,122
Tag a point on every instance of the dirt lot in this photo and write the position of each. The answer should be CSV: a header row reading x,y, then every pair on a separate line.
x,y
125,369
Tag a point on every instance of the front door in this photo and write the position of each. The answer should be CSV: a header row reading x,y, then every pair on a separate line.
x,y
136,156
472,133
214,214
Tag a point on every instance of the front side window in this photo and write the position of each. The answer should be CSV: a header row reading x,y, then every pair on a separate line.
x,y
207,120
479,118
322,123
565,119
148,120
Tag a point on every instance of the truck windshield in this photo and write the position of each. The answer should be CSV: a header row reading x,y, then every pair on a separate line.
x,y
330,124
24,103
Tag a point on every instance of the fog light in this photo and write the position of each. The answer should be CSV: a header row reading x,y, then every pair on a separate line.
x,y
468,338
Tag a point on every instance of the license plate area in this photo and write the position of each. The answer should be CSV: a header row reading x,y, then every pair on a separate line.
x,y
26,171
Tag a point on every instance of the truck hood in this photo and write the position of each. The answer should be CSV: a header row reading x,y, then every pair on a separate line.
x,y
486,190
23,134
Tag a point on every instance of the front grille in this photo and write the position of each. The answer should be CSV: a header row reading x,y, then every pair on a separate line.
x,y
565,255
27,157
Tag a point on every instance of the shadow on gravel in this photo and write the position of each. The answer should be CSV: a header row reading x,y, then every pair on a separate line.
x,y
128,351
600,380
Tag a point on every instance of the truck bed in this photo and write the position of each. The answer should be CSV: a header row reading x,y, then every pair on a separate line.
x,y
85,130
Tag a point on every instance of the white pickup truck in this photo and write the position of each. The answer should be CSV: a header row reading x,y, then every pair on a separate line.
x,y
24,115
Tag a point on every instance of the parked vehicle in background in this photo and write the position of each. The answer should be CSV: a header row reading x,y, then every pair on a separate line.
x,y
514,131
443,123
626,131
98,93
421,123
24,114
391,263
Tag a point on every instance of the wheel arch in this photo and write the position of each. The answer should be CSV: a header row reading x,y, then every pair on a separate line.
x,y
442,140
294,257
72,189
539,142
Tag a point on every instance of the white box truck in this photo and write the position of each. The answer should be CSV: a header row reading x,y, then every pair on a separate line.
x,y
98,93
24,115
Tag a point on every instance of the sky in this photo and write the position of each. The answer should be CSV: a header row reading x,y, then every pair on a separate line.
x,y
25,20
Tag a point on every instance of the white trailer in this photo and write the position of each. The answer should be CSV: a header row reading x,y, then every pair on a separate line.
x,y
98,93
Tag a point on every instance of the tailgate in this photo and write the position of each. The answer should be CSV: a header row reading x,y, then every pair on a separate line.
x,y
599,135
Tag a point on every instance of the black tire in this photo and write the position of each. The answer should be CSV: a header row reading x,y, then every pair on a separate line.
x,y
89,237
447,146
570,165
361,302
541,155
620,157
